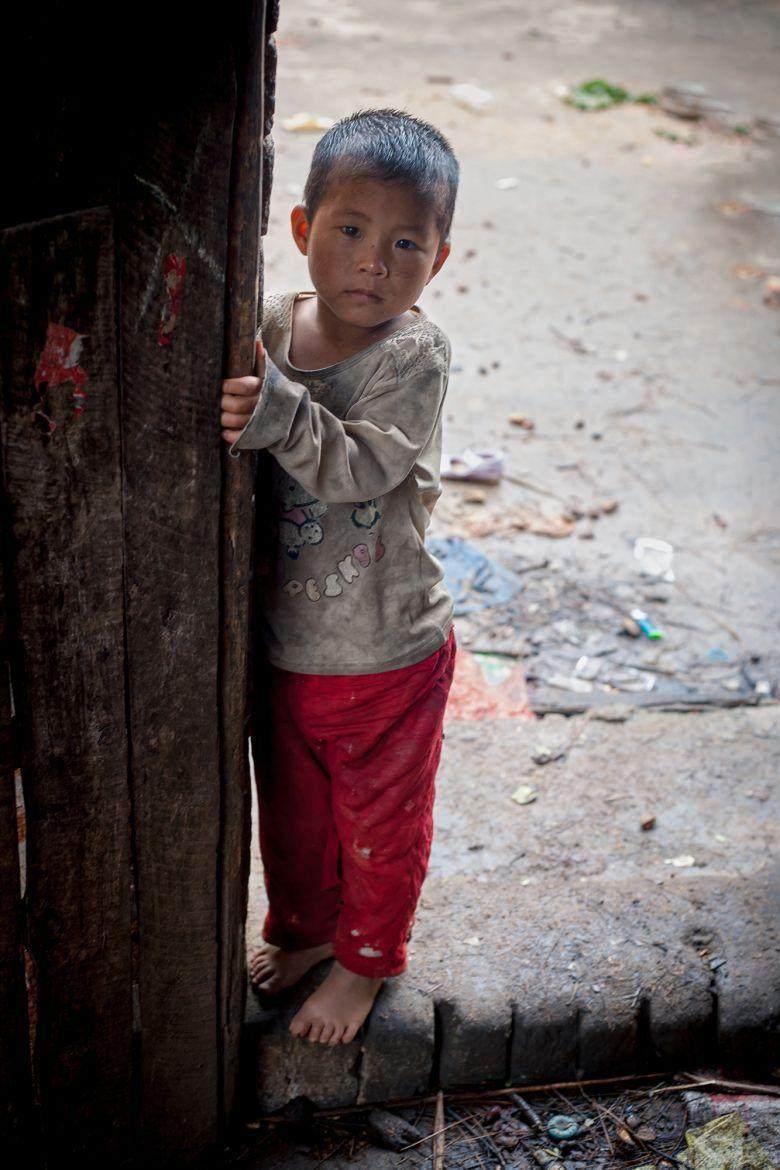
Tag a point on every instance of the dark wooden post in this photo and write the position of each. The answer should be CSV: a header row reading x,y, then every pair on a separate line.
x,y
132,267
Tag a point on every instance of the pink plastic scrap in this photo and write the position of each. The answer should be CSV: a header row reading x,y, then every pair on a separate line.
x,y
476,466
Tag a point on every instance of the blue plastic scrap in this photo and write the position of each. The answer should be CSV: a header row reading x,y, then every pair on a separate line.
x,y
473,580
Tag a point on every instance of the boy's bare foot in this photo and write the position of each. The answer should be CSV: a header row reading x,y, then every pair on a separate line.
x,y
333,1013
271,969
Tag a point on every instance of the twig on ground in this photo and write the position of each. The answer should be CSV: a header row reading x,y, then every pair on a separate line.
x,y
438,1136
638,1141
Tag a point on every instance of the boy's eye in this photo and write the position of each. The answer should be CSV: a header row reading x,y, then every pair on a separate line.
x,y
411,244
349,228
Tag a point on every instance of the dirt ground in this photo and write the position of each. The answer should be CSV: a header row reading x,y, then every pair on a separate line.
x,y
612,293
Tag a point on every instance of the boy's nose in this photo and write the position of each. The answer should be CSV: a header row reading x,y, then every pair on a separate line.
x,y
373,263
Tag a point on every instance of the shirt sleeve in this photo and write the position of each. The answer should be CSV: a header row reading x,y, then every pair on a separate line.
x,y
374,447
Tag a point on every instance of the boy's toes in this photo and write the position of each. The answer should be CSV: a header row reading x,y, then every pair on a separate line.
x,y
299,1026
336,1035
315,1031
349,1033
327,1033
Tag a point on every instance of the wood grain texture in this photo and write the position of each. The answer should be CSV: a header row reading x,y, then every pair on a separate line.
x,y
17,1133
174,204
64,508
241,306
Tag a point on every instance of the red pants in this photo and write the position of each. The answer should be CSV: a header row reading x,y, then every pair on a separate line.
x,y
345,768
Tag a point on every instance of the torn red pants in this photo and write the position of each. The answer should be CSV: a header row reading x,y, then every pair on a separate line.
x,y
345,768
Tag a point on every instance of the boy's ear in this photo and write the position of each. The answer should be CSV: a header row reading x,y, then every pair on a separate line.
x,y
441,256
299,222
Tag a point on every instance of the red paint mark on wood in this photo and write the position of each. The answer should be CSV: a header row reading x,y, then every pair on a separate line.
x,y
174,268
58,364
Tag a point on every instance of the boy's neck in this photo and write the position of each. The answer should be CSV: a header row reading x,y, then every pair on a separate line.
x,y
344,335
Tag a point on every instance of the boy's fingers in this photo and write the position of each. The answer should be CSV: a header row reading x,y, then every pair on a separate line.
x,y
247,385
230,436
238,405
232,420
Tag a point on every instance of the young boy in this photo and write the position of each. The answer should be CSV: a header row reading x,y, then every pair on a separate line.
x,y
356,622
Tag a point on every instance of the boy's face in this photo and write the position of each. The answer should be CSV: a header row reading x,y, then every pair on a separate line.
x,y
369,236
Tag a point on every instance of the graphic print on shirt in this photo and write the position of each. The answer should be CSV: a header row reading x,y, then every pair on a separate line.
x,y
298,523
365,514
298,514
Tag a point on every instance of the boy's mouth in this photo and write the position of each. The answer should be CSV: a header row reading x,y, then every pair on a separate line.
x,y
362,294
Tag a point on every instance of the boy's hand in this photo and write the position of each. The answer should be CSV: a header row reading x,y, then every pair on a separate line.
x,y
239,397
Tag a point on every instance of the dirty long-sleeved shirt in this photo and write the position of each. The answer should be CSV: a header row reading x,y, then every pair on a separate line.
x,y
356,452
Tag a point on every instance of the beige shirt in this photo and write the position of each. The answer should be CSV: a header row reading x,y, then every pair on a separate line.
x,y
357,449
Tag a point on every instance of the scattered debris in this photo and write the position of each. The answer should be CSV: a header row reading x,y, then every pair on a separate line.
x,y
474,466
475,496
473,580
684,861
655,557
722,1144
574,343
648,1121
771,293
596,94
645,625
305,122
471,97
768,125
692,103
747,271
507,184
647,823
391,1131
546,755
521,420
524,794
732,207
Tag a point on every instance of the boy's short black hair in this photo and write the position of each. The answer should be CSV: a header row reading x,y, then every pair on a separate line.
x,y
392,145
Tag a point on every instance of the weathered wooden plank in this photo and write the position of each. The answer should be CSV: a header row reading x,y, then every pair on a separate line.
x,y
172,259
16,1100
63,485
241,306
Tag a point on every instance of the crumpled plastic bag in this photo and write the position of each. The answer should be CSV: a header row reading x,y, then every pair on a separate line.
x,y
722,1144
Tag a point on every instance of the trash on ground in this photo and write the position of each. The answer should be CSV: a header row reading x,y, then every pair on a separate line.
x,y
304,122
692,103
521,420
507,184
767,124
546,755
479,692
655,557
563,1128
471,97
771,293
391,1131
472,579
722,1144
596,94
475,496
525,794
580,686
474,466
684,861
647,823
646,626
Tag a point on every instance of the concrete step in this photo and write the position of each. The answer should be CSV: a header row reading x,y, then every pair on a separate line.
x,y
573,979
